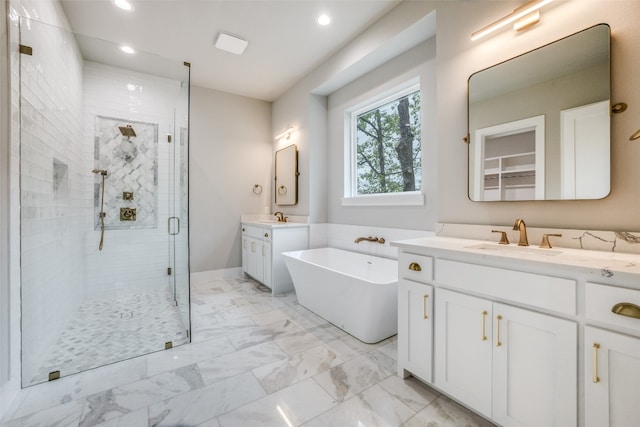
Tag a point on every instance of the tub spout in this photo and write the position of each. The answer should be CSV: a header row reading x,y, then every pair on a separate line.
x,y
370,239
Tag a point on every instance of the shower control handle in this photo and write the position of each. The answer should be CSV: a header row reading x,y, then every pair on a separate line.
x,y
169,226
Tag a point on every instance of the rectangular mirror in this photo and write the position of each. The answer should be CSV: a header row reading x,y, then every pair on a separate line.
x,y
539,123
286,176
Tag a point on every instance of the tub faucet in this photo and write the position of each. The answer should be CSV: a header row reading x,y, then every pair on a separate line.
x,y
370,239
281,217
519,225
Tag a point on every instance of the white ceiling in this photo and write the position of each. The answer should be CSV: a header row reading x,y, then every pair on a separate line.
x,y
285,43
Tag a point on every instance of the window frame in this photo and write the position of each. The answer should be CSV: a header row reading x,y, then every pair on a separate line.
x,y
351,197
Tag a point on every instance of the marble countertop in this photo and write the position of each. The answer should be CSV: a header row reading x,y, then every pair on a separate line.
x,y
606,263
274,223
270,221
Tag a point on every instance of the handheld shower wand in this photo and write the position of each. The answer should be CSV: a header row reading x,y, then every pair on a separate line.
x,y
102,172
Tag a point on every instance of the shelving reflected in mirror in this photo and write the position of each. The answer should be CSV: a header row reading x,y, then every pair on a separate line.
x,y
539,123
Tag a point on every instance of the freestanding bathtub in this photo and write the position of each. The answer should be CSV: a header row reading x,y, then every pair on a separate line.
x,y
356,292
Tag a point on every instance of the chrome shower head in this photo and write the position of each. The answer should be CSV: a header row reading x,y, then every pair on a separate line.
x,y
127,131
102,172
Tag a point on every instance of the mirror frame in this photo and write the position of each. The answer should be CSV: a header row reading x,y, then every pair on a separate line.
x,y
287,169
558,191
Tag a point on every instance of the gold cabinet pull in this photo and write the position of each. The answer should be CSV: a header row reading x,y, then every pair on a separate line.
x,y
626,309
414,266
484,325
424,306
498,342
596,378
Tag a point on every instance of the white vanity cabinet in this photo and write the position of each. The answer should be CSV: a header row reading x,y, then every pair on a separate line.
x,y
612,359
499,339
256,253
515,366
415,324
262,245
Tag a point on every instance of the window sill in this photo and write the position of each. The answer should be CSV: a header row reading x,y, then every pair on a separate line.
x,y
413,198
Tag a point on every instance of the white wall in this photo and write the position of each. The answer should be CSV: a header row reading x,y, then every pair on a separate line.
x,y
417,62
304,106
458,58
231,142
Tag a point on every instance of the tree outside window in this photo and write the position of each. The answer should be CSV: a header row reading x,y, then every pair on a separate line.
x,y
388,149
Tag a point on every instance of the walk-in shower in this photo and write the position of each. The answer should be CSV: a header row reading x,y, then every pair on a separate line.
x,y
103,158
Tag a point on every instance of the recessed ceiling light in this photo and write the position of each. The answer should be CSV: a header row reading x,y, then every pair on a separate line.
x,y
123,4
230,43
324,19
127,49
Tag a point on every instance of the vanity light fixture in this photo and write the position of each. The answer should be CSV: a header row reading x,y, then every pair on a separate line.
x,y
285,133
523,11
231,43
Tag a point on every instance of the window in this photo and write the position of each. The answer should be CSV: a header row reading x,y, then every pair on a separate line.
x,y
385,149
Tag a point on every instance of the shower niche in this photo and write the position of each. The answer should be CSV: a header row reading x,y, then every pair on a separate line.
x,y
89,122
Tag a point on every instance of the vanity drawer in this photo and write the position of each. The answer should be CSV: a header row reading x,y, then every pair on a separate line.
x,y
255,232
415,267
600,300
548,292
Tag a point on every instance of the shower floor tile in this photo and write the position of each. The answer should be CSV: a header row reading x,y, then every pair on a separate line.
x,y
109,330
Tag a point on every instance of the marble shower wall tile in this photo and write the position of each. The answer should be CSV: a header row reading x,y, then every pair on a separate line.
x,y
132,163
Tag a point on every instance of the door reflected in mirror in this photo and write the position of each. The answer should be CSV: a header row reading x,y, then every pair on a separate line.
x,y
539,124
286,176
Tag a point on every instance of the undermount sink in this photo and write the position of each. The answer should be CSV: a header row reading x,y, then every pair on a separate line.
x,y
512,249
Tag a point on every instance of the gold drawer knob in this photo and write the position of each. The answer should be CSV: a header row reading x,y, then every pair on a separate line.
x,y
414,266
627,309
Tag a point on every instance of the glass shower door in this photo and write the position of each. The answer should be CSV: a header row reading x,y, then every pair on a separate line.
x,y
178,221
98,183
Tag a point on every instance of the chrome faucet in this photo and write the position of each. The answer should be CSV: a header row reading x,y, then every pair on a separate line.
x,y
281,217
522,227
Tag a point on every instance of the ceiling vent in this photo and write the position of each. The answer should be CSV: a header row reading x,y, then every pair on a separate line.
x,y
231,43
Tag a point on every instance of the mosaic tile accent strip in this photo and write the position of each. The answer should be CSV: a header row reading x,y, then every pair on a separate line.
x,y
105,331
132,165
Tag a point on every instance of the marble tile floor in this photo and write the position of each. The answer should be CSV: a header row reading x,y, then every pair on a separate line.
x,y
106,330
255,360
